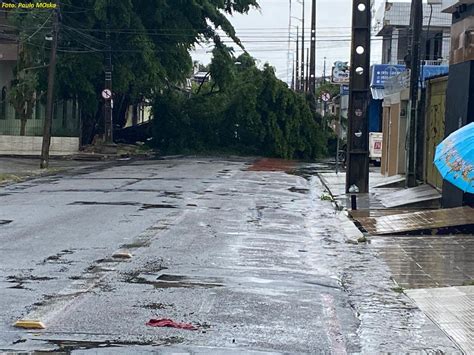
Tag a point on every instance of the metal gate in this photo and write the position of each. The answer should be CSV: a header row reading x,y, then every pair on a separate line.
x,y
434,129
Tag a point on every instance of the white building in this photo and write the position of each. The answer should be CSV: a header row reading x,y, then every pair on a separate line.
x,y
392,22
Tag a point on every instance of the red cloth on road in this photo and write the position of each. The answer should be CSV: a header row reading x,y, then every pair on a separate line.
x,y
164,322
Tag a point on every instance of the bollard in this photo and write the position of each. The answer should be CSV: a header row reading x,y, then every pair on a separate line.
x,y
354,202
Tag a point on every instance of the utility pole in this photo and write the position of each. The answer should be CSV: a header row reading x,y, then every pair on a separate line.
x,y
312,59
414,64
293,76
357,176
289,57
302,88
297,81
108,107
325,103
324,70
48,120
338,134
307,70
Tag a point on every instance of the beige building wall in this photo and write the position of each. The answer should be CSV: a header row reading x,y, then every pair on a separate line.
x,y
462,41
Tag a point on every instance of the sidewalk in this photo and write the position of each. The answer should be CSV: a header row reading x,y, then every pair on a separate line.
x,y
436,272
336,183
15,169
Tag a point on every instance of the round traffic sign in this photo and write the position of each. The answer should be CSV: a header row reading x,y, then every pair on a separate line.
x,y
107,94
325,96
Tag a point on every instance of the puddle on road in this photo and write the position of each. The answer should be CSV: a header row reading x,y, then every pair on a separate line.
x,y
155,306
95,203
71,346
118,189
298,190
173,281
154,206
21,280
171,194
136,245
111,260
57,258
145,206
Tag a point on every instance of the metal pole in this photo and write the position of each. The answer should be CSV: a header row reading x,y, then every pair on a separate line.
x,y
307,70
297,81
293,76
416,26
325,104
338,135
108,123
288,57
357,176
48,120
312,60
324,70
302,86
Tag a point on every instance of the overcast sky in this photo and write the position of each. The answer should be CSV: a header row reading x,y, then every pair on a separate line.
x,y
264,33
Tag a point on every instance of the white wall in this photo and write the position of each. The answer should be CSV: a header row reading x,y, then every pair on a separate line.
x,y
29,145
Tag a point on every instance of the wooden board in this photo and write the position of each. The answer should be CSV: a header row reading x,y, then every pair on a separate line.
x,y
417,221
423,194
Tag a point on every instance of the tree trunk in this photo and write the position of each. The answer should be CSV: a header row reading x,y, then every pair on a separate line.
x,y
25,114
23,124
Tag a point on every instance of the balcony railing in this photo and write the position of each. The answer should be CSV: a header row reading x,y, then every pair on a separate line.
x,y
426,62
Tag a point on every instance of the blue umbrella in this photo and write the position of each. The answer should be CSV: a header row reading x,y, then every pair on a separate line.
x,y
454,158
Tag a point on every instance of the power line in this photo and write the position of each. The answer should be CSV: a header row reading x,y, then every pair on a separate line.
x,y
39,29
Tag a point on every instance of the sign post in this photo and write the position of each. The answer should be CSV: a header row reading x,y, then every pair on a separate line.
x,y
108,132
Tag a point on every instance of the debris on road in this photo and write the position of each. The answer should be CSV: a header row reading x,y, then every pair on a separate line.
x,y
416,222
164,322
270,164
29,324
122,254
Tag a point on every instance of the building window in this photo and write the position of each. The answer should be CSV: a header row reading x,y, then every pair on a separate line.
x,y
434,46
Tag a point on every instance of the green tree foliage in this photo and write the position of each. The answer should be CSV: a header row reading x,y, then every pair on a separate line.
x,y
25,88
253,112
150,42
23,97
328,87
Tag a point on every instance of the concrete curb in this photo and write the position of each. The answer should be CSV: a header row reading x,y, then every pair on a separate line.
x,y
347,225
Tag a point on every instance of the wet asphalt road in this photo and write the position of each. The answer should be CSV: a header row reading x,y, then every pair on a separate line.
x,y
257,260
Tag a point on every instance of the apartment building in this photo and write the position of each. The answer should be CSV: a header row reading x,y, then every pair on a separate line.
x,y
392,21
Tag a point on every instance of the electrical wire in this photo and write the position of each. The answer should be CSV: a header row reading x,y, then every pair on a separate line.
x,y
427,34
39,29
